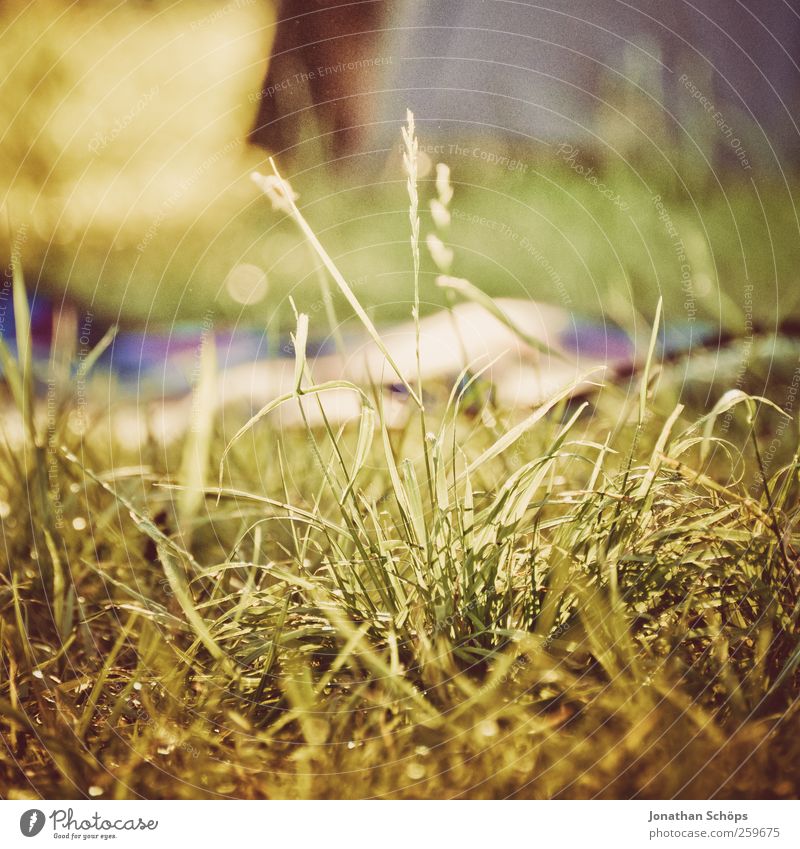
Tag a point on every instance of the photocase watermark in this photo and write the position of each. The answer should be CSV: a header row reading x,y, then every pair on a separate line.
x,y
5,299
32,822
679,246
524,244
725,129
286,347
747,341
789,407
480,154
20,238
571,155
218,14
79,420
53,465
206,337
169,743
101,140
66,825
303,78
171,202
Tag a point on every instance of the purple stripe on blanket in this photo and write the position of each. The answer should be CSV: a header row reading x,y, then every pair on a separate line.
x,y
596,341
607,342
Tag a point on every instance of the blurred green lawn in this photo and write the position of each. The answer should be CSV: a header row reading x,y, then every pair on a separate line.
x,y
606,242
551,235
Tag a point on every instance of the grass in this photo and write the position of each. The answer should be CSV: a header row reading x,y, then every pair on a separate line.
x,y
598,599
547,234
550,235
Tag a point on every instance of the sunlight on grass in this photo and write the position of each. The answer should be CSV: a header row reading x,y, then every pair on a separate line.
x,y
595,599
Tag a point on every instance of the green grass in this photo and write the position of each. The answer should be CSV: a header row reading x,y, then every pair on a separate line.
x,y
596,600
547,234
550,235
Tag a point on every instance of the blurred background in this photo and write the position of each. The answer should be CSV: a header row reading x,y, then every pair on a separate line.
x,y
603,153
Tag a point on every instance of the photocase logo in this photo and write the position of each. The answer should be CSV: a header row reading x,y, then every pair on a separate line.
x,y
31,822
65,824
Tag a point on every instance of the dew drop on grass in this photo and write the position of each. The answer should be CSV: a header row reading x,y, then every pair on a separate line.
x,y
79,523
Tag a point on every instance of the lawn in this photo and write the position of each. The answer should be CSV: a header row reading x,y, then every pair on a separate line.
x,y
597,235
596,598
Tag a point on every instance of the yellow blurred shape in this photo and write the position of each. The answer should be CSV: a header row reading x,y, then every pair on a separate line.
x,y
122,120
